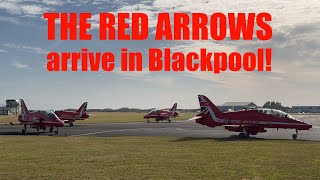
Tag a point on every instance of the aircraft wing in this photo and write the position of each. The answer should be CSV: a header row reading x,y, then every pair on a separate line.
x,y
237,128
15,123
164,115
11,123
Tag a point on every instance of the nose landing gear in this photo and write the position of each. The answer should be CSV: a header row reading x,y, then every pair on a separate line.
x,y
294,136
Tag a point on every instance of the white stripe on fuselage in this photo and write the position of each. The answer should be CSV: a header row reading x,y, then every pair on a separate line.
x,y
214,117
226,121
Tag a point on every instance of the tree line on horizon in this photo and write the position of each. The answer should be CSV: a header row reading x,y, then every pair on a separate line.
x,y
276,105
268,104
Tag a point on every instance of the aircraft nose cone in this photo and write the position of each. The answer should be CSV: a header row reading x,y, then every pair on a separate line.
x,y
307,125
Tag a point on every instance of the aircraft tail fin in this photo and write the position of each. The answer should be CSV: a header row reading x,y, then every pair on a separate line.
x,y
83,108
24,110
174,108
205,103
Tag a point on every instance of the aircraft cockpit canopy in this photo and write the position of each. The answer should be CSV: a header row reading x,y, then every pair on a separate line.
x,y
275,112
51,114
152,111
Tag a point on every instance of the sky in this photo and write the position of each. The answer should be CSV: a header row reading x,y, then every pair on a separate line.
x,y
294,79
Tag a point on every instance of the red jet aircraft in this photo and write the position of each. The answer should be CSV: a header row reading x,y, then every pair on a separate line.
x,y
247,122
38,120
162,114
71,116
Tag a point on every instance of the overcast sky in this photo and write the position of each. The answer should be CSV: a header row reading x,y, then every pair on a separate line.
x,y
24,46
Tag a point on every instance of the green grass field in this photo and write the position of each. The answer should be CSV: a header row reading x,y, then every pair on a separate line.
x,y
40,157
7,119
107,117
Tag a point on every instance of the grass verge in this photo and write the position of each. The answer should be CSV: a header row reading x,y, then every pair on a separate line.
x,y
41,157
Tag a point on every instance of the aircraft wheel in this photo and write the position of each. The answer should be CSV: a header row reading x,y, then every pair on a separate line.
x,y
242,135
56,132
148,121
157,120
23,131
294,136
51,129
71,124
169,120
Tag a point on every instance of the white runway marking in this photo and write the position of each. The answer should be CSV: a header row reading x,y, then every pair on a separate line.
x,y
119,130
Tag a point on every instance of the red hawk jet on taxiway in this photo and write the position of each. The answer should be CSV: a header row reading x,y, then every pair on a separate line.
x,y
162,114
38,120
247,122
71,116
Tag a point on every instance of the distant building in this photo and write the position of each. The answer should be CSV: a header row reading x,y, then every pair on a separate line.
x,y
11,108
305,109
237,106
4,111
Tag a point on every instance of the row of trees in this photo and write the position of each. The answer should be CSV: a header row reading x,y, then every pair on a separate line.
x,y
125,109
269,104
276,105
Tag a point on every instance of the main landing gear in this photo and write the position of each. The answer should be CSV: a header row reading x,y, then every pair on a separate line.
x,y
24,129
294,136
244,135
71,123
51,130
